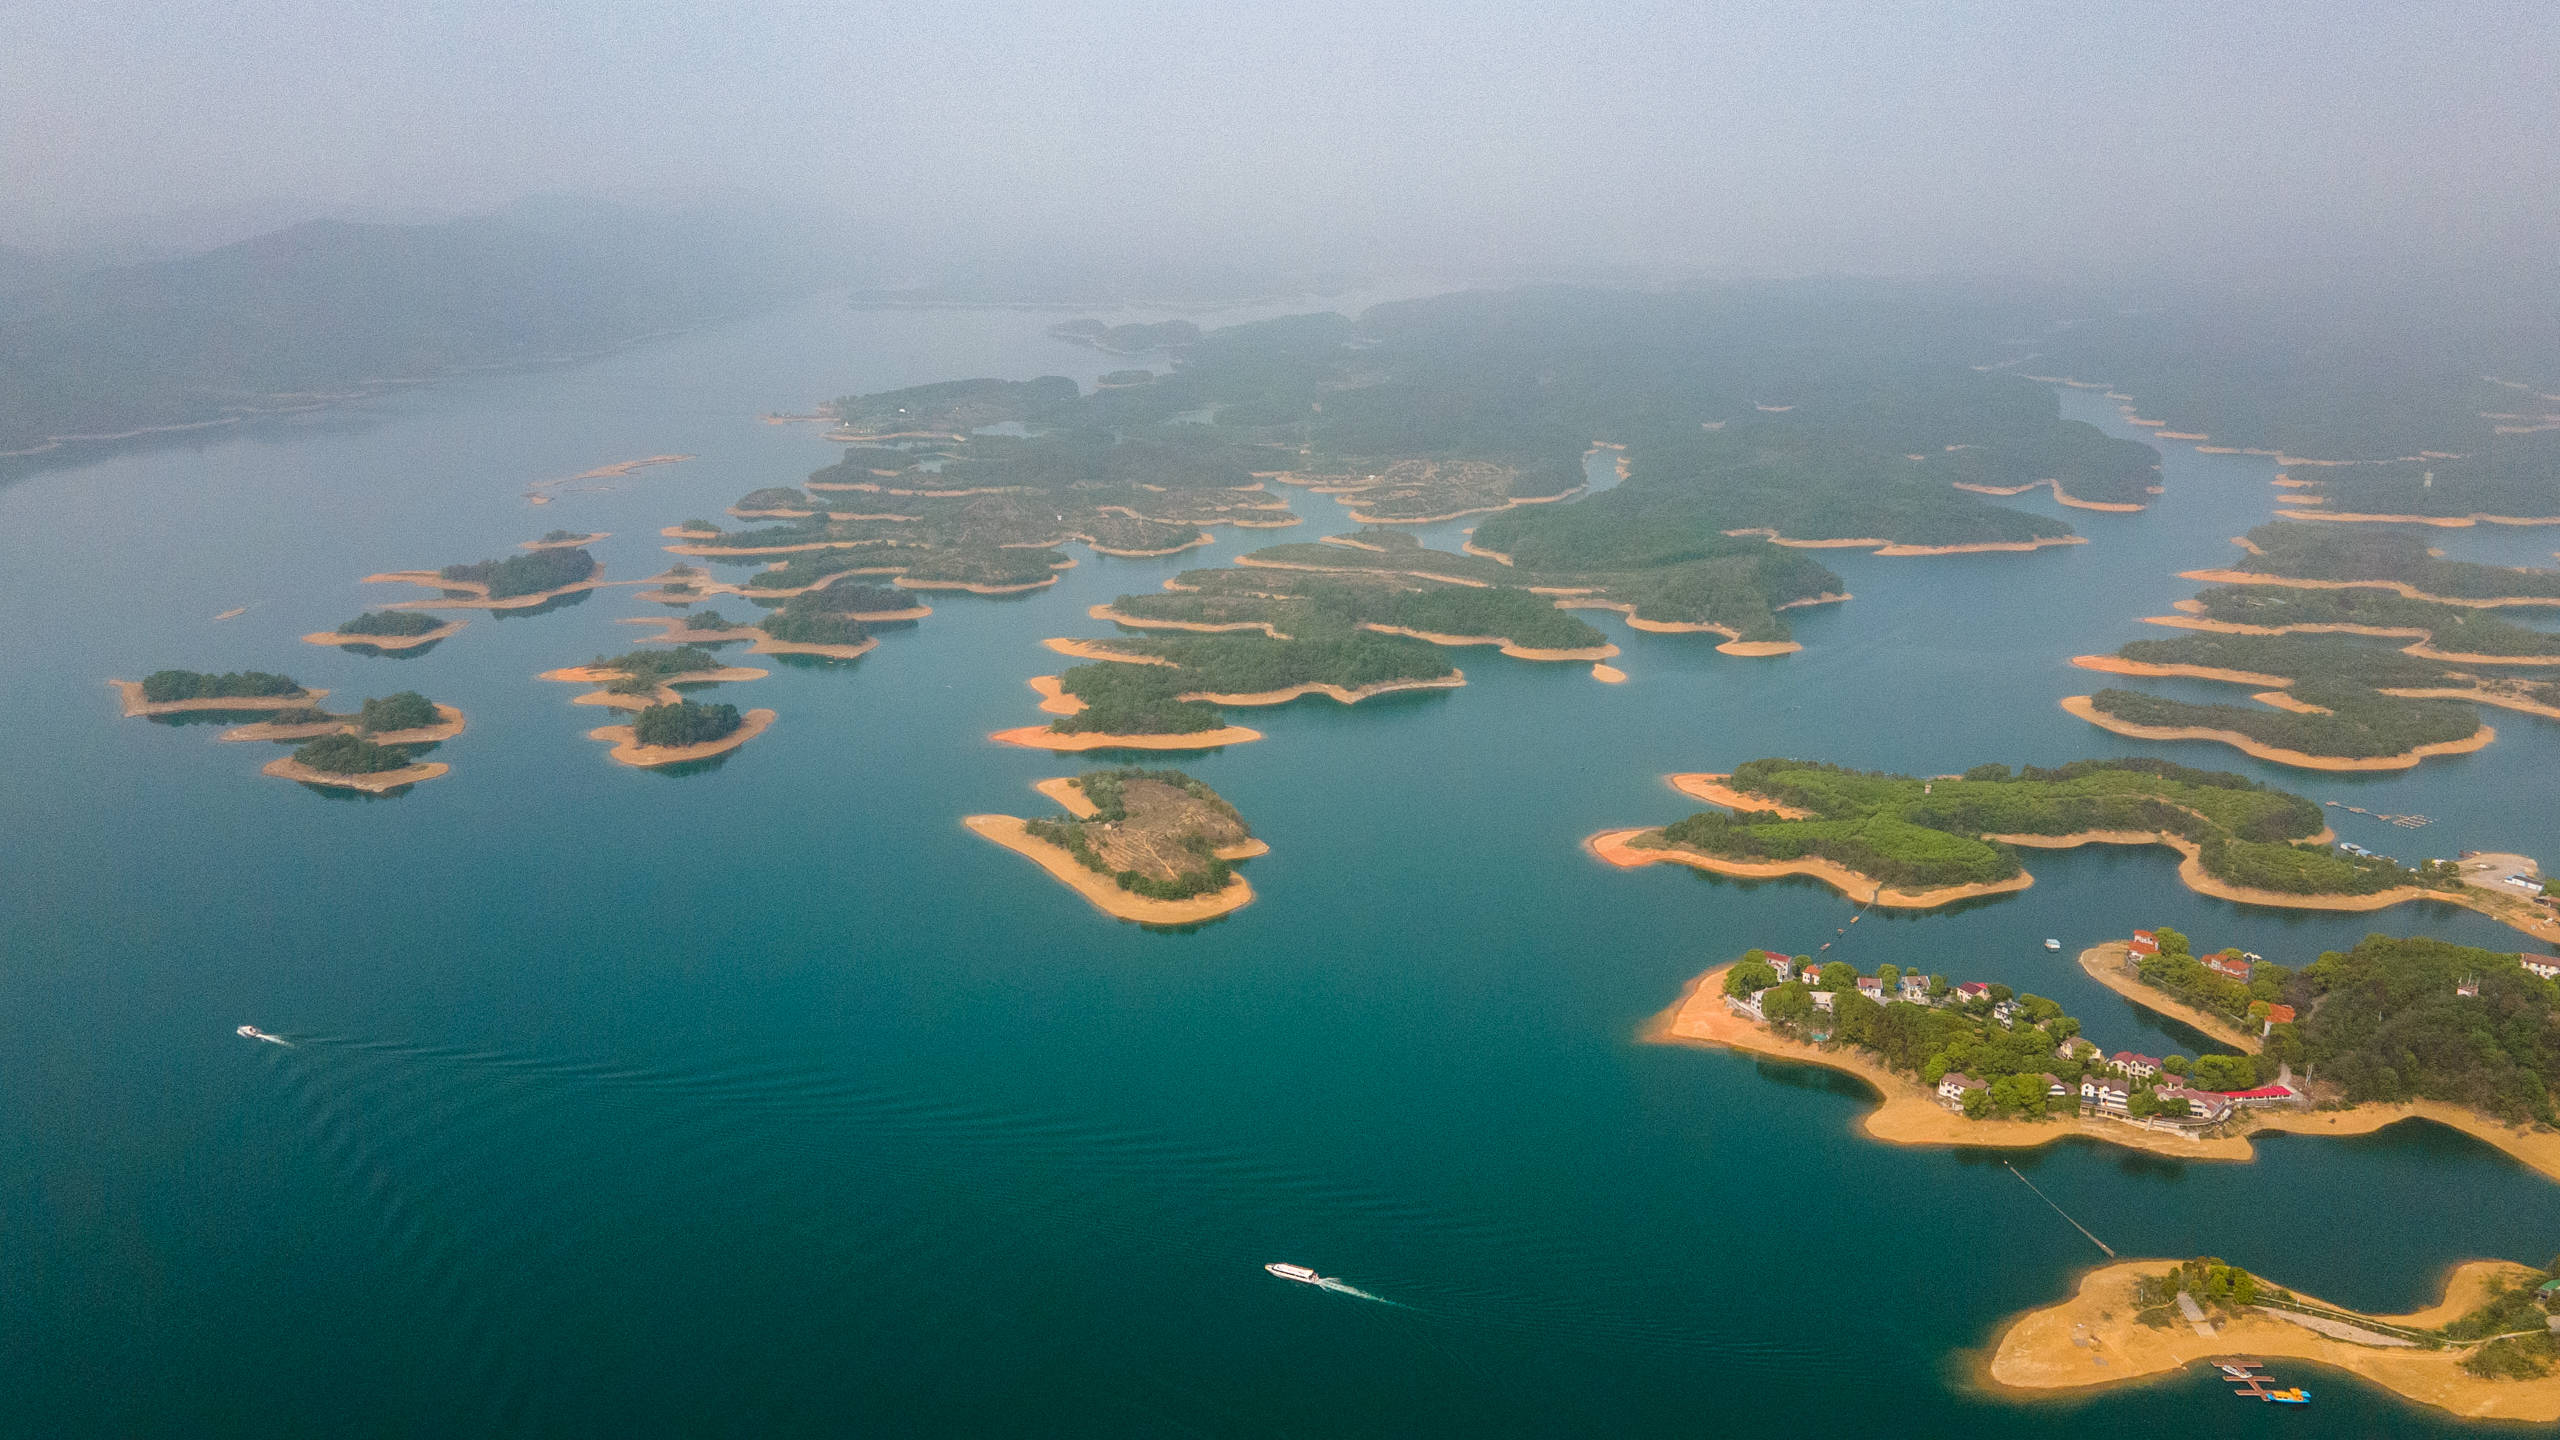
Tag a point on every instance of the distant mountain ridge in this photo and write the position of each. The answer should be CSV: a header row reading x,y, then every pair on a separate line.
x,y
331,308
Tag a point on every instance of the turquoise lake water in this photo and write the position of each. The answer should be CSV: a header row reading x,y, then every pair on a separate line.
x,y
766,1100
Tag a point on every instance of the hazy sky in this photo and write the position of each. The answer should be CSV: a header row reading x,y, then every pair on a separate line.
x,y
2069,137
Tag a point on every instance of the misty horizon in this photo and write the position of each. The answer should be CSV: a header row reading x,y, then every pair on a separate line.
x,y
2055,142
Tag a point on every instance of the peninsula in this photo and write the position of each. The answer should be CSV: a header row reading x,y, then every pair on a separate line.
x,y
1904,842
1153,846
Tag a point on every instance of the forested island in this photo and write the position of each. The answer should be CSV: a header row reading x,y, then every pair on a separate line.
x,y
2513,480
1165,692
2483,1351
515,582
2332,692
405,718
679,731
349,761
170,692
1785,426
642,678
1904,842
2394,558
1153,846
386,631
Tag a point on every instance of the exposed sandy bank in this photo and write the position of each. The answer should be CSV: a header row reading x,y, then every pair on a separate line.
x,y
1608,674
1908,1113
665,694
1613,847
2396,587
906,583
285,767
1041,737
2081,706
449,723
470,588
1510,647
1450,681
2093,1339
134,704
385,642
2442,522
1092,650
1102,890
1204,627
1054,700
1713,790
1895,547
570,544
2106,965
2060,495
2118,665
628,750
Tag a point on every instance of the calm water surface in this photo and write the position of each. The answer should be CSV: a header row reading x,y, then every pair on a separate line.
x,y
768,1101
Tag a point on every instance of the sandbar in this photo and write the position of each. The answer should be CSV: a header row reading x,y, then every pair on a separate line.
x,y
628,750
1041,737
287,768
2081,706
1481,553
1102,890
1608,674
2093,1339
134,704
2107,965
1093,650
385,642
1613,846
570,544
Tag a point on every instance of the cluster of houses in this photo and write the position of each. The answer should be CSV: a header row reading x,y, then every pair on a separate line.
x,y
2107,1084
2231,964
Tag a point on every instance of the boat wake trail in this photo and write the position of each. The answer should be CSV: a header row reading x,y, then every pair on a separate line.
x,y
1356,1293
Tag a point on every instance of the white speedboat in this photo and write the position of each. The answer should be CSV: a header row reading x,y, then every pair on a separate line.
x,y
1299,1273
252,1032
2052,944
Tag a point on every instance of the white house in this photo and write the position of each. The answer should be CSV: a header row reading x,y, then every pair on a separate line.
x,y
2133,1066
1953,1087
2005,1011
2542,965
1785,967
1747,1005
1915,988
2107,1095
1872,988
2203,1106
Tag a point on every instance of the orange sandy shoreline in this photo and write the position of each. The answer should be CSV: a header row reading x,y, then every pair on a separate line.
x,y
1613,847
380,782
1041,737
449,723
2106,965
385,642
2092,1339
628,750
130,692
1102,891
2081,706
2396,587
